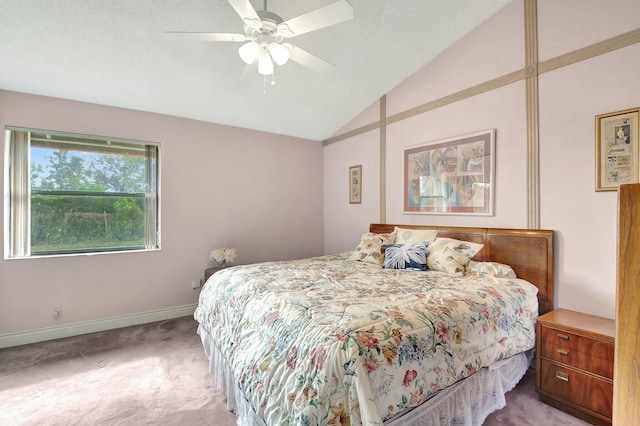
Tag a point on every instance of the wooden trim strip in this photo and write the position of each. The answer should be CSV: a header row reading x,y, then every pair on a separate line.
x,y
533,156
530,34
600,48
383,159
438,103
352,133
458,96
605,46
533,122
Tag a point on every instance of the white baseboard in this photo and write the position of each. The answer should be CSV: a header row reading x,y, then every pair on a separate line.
x,y
84,327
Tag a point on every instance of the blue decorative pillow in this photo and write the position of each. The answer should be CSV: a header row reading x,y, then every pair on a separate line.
x,y
406,256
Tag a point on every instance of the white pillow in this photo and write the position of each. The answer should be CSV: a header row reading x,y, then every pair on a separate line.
x,y
410,236
490,269
450,255
370,247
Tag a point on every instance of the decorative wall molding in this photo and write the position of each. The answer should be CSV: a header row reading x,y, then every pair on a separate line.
x,y
533,123
84,327
600,48
458,96
529,73
588,52
383,159
487,86
352,133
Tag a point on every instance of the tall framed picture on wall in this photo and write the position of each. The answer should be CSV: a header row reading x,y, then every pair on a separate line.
x,y
451,176
617,150
355,184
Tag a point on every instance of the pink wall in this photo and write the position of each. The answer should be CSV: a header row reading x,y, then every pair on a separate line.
x,y
569,99
272,197
220,186
346,222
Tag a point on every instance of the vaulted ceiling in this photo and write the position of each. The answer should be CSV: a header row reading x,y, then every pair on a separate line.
x,y
116,53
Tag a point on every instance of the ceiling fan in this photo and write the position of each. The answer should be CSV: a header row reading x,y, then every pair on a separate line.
x,y
264,33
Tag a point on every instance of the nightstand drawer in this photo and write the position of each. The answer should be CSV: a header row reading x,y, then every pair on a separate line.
x,y
584,360
590,392
581,352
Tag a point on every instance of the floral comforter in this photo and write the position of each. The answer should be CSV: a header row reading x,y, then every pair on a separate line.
x,y
327,341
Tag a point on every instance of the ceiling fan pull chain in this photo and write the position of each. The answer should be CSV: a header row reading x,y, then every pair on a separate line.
x,y
264,84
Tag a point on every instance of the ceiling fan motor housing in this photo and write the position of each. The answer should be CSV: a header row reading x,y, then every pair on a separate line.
x,y
268,32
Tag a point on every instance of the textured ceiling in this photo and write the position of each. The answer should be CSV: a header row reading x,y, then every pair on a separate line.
x,y
114,52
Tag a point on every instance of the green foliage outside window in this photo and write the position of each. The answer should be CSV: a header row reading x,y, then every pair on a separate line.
x,y
71,193
71,220
61,222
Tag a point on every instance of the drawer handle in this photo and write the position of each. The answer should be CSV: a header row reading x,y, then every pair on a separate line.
x,y
563,336
563,352
562,376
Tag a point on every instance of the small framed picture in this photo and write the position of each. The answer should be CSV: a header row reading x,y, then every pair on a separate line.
x,y
355,184
617,153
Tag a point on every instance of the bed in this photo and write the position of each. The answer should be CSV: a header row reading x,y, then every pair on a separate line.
x,y
339,341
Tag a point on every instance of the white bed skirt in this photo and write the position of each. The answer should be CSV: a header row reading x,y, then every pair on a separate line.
x,y
467,403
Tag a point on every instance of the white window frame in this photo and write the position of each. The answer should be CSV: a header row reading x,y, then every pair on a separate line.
x,y
17,192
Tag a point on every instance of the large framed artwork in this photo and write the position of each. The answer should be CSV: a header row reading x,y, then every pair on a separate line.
x,y
617,151
451,176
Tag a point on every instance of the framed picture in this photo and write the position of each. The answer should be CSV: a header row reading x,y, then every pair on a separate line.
x,y
451,176
355,184
617,153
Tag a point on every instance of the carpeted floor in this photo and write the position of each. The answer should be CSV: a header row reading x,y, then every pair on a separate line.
x,y
154,374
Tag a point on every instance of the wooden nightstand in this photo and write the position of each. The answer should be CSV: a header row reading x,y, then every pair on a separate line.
x,y
574,364
210,271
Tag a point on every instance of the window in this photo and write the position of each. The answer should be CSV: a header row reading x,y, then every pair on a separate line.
x,y
72,193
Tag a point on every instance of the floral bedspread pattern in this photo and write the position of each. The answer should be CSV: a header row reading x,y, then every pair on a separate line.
x,y
328,341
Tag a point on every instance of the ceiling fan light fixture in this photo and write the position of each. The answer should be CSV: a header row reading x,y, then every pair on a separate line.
x,y
265,31
249,52
279,53
265,64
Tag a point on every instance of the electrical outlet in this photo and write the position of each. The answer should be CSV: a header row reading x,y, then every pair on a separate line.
x,y
57,312
194,284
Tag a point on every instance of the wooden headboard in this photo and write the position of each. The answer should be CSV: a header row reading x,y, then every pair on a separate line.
x,y
528,251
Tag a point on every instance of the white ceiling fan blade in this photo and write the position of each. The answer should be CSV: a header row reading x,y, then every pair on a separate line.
x,y
205,36
246,12
332,14
310,61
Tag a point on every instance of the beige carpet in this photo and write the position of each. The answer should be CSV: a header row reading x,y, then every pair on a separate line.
x,y
153,374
